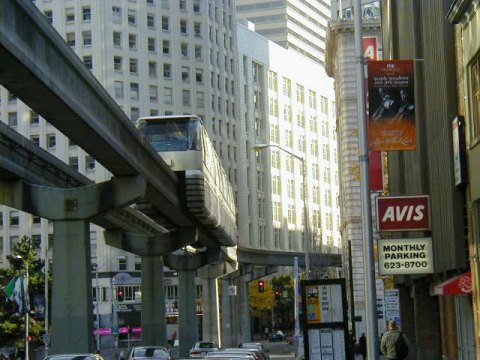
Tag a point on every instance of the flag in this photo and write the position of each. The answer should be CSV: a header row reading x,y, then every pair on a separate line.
x,y
25,296
17,294
10,288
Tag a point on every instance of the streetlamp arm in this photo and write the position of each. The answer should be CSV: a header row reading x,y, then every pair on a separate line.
x,y
258,147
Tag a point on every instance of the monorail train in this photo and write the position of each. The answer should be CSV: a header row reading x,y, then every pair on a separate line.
x,y
184,145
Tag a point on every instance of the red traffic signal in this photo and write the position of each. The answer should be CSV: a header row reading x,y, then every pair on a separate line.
x,y
30,338
120,295
261,286
277,295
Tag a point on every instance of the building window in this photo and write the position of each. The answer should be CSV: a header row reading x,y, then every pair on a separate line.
x,y
199,76
196,6
117,63
165,23
186,98
132,41
89,163
88,61
117,14
152,69
134,113
151,45
166,47
200,97
132,17
122,264
86,13
183,5
184,49
183,27
51,141
185,73
36,220
87,38
117,39
197,29
168,95
167,71
153,93
134,91
119,89
70,15
14,218
12,119
133,66
35,139
49,15
198,52
151,21
70,38
73,162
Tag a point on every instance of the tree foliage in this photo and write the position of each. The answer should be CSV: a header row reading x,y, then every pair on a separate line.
x,y
12,323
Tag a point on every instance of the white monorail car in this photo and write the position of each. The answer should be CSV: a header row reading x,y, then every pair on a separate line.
x,y
184,145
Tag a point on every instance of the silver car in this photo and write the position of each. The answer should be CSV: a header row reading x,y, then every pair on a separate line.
x,y
85,356
148,353
202,348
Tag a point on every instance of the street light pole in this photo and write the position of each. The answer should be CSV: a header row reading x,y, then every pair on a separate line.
x,y
306,231
25,303
369,262
47,265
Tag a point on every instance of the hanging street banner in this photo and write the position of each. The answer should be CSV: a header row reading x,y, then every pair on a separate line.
x,y
391,106
405,256
403,213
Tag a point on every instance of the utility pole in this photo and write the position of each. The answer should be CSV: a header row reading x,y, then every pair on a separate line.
x,y
369,261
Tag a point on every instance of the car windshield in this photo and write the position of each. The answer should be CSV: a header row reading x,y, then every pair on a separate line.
x,y
206,345
149,352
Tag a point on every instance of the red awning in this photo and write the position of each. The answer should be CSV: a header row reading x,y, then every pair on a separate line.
x,y
458,285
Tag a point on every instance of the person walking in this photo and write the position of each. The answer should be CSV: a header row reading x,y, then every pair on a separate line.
x,y
393,344
362,346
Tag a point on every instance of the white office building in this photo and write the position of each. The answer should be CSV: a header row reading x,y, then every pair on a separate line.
x,y
287,101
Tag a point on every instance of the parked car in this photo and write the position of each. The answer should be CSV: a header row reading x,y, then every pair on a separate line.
x,y
202,348
223,355
258,346
255,353
275,337
148,353
85,356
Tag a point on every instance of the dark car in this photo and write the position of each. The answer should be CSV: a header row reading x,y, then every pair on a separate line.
x,y
148,353
275,337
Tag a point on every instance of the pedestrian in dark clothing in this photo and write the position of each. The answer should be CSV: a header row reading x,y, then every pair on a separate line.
x,y
362,346
389,344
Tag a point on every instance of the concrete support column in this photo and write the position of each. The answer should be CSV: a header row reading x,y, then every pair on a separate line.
x,y
154,328
187,311
72,314
228,323
211,311
244,308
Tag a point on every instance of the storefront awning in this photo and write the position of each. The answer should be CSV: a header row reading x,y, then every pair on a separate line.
x,y
458,285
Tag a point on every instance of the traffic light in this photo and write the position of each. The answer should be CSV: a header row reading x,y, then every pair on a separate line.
x,y
261,286
120,295
277,295
30,338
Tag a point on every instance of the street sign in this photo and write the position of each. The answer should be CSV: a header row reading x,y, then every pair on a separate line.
x,y
403,213
115,330
405,256
232,290
392,305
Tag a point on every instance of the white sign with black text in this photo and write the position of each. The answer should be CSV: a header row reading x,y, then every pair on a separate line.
x,y
405,256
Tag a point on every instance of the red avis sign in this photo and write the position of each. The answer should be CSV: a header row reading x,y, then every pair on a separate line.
x,y
403,213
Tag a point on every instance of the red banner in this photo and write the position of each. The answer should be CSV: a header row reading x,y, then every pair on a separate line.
x,y
403,213
376,170
391,105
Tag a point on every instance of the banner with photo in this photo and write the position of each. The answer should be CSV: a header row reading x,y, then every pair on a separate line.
x,y
391,105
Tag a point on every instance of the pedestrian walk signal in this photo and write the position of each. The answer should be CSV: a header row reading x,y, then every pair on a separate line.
x,y
261,286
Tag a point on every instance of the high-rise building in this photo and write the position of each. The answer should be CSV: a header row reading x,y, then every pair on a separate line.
x,y
287,102
300,25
